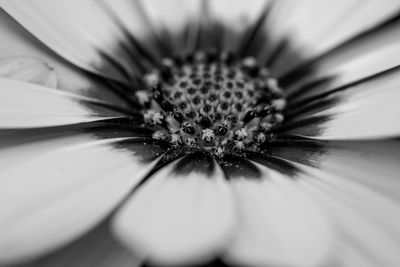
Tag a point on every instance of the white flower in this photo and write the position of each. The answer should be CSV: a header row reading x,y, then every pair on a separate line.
x,y
258,133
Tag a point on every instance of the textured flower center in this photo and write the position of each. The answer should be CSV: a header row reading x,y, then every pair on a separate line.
x,y
212,102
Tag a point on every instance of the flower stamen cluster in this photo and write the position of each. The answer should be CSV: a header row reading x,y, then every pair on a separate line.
x,y
212,102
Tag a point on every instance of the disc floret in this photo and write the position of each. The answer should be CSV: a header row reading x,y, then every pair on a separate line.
x,y
212,102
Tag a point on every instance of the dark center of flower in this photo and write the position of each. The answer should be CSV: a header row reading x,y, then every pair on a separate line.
x,y
212,102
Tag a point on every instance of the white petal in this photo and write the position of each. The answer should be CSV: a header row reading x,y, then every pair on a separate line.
x,y
163,14
372,54
279,225
17,42
354,256
238,10
80,31
364,219
238,16
28,70
315,27
131,17
178,218
357,184
365,111
66,187
97,248
373,164
24,105
166,24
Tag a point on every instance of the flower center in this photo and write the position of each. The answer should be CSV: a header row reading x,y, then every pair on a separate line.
x,y
212,102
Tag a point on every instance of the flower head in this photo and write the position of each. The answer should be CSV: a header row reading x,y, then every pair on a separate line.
x,y
259,133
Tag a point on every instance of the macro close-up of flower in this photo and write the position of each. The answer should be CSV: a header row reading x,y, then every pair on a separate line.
x,y
199,133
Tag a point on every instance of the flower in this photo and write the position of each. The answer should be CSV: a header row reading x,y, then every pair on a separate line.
x,y
261,133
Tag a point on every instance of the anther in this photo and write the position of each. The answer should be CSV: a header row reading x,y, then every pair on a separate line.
x,y
238,146
167,63
219,151
222,129
231,119
143,97
158,118
250,66
159,135
279,104
152,79
176,139
191,142
240,134
265,111
260,138
178,116
188,128
207,135
250,114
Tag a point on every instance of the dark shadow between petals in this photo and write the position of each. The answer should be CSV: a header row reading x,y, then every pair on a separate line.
x,y
236,167
309,66
274,163
313,126
304,151
199,162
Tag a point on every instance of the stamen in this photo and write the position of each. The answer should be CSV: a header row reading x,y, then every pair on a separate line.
x,y
207,135
212,102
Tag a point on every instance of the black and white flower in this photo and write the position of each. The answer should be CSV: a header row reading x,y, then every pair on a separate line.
x,y
258,133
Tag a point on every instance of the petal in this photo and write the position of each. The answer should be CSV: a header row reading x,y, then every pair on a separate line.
x,y
238,11
28,70
364,110
62,186
167,25
97,248
355,257
373,164
278,225
135,22
365,220
18,146
17,42
357,184
163,15
24,105
184,214
80,31
364,57
238,19
330,23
